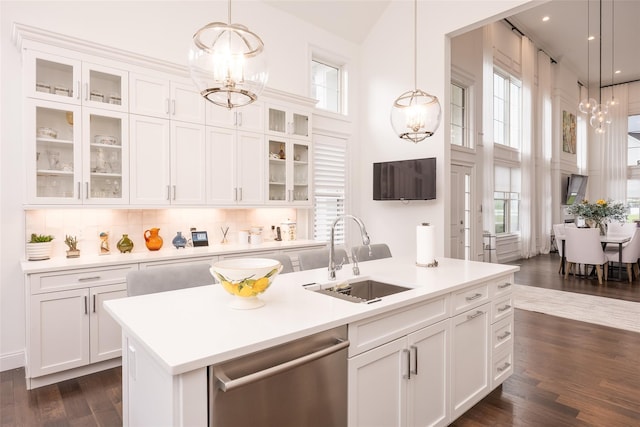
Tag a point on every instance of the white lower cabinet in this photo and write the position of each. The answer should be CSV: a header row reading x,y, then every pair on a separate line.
x,y
470,358
67,326
402,383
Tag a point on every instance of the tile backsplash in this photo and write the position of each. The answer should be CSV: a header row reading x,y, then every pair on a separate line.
x,y
87,224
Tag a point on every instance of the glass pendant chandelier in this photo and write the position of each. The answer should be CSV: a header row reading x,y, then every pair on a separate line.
x,y
600,113
415,115
587,105
226,65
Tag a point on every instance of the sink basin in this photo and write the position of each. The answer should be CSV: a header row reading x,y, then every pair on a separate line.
x,y
364,291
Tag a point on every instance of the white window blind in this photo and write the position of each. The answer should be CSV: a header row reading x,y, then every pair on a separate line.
x,y
329,167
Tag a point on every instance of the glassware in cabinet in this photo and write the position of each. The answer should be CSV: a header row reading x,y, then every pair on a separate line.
x,y
277,170
105,87
52,77
288,122
301,171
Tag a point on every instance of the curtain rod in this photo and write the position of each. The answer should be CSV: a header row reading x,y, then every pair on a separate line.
x,y
516,29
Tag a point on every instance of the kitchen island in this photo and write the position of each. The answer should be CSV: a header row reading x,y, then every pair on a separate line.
x,y
170,338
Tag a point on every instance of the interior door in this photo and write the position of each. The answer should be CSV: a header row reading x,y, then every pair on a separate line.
x,y
461,224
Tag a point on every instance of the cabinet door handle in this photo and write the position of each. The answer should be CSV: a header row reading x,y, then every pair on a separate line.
x,y
86,91
86,190
414,371
94,303
173,106
166,105
504,367
505,308
174,192
503,336
476,314
235,194
471,298
240,118
79,190
86,310
88,278
235,118
168,192
407,375
78,92
240,193
505,285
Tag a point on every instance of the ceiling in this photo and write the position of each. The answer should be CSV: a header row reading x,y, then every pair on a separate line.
x,y
563,36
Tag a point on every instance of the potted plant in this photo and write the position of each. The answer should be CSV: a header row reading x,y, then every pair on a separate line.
x,y
72,242
39,247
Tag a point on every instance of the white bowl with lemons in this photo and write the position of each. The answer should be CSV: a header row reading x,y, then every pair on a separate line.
x,y
245,279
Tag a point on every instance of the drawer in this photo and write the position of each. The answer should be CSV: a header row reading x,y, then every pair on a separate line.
x,y
80,278
502,307
502,334
501,286
501,367
369,333
469,298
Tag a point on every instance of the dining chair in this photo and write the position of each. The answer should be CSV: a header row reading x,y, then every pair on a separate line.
x,y
369,252
630,255
582,246
162,279
285,260
558,232
319,258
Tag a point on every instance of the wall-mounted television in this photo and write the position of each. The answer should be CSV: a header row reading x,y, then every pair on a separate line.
x,y
576,188
413,179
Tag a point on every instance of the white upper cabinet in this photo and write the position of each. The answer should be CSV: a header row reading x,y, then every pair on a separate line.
x,y
157,96
284,120
288,172
58,78
248,118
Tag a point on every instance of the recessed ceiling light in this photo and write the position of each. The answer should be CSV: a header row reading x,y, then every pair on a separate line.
x,y
617,71
545,19
591,38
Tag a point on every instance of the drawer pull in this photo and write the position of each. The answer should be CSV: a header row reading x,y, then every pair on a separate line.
x,y
86,279
473,316
504,367
86,310
415,360
471,298
504,308
504,285
94,303
503,336
407,376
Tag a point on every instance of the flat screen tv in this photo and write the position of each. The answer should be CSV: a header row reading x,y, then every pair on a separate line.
x,y
576,188
405,180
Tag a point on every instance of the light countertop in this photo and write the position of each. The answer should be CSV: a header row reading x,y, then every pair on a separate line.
x,y
195,327
167,253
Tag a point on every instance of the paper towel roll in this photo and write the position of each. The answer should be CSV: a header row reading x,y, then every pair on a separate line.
x,y
425,245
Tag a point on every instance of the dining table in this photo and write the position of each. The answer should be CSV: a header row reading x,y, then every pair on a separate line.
x,y
605,239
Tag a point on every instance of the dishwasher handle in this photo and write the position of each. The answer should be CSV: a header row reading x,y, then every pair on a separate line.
x,y
224,383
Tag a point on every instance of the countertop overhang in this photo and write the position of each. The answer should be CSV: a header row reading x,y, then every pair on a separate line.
x,y
192,328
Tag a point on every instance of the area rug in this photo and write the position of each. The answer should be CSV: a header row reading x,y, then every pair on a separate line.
x,y
586,308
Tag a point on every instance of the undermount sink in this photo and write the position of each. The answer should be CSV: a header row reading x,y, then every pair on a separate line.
x,y
364,291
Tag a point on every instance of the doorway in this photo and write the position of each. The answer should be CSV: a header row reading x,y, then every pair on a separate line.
x,y
461,201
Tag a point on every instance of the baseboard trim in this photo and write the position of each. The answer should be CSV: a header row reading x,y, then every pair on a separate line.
x,y
72,373
10,361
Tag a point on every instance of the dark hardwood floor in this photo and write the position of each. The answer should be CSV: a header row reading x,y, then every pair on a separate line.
x,y
567,373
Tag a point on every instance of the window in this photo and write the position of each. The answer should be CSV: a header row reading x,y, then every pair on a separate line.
x,y
507,114
329,167
633,159
459,116
327,82
506,200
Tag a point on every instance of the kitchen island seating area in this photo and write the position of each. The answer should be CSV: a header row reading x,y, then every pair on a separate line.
x,y
318,258
369,252
161,279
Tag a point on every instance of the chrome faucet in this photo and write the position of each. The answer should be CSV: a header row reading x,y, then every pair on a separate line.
x,y
365,241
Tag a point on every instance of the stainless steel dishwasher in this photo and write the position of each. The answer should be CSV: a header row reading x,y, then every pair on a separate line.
x,y
300,384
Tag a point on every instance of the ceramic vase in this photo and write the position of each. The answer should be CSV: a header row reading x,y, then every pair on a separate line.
x,y
152,239
125,244
179,241
39,251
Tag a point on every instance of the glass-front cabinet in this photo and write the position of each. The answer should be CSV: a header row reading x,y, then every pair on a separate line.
x,y
76,156
289,172
56,78
285,121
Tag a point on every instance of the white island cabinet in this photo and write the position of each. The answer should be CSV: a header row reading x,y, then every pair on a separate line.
x,y
409,339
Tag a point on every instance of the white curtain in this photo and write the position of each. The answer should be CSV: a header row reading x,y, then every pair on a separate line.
x,y
613,147
487,130
545,136
527,165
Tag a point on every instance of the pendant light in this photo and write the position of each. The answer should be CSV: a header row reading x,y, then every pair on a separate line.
x,y
415,115
226,65
613,101
586,105
600,112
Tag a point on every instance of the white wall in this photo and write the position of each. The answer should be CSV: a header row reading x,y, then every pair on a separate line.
x,y
161,30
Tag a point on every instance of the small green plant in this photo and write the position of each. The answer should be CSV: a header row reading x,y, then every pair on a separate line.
x,y
40,238
71,242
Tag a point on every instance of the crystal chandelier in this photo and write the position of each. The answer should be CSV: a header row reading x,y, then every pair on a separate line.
x,y
226,65
415,115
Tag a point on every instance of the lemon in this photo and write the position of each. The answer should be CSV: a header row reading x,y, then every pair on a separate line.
x,y
245,290
261,284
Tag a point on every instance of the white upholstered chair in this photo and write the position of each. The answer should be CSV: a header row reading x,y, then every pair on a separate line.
x,y
369,252
161,279
630,254
319,258
285,260
582,246
558,232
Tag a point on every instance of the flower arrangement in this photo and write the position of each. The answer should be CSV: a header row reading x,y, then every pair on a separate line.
x,y
600,212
